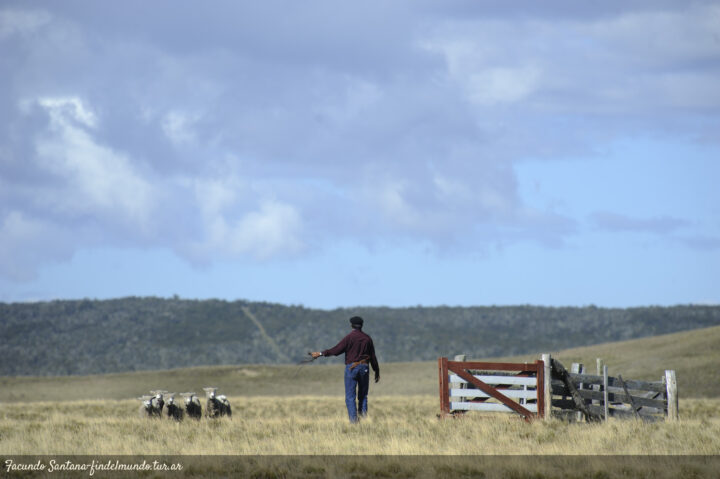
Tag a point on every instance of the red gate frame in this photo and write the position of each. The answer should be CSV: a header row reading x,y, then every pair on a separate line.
x,y
460,368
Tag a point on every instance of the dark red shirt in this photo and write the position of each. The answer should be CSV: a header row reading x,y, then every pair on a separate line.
x,y
356,346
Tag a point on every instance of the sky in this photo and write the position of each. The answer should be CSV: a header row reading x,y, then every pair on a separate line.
x,y
380,153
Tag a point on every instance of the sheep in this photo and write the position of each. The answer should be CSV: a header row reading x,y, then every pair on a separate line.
x,y
146,406
172,410
192,405
215,406
212,406
157,402
225,409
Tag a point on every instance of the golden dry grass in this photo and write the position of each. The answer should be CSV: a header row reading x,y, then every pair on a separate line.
x,y
318,425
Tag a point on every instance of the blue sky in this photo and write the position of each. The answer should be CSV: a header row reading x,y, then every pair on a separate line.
x,y
374,153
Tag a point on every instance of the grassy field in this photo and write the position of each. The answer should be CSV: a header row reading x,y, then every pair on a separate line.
x,y
315,429
318,425
290,410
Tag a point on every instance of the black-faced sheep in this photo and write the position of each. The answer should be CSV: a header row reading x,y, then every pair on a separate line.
x,y
146,406
192,405
157,402
225,410
172,410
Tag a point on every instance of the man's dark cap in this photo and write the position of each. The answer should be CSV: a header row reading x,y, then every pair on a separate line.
x,y
356,321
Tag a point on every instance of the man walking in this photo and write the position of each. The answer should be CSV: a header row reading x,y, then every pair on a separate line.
x,y
359,352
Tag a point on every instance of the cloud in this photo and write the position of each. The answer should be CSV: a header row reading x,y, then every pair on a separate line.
x,y
632,62
21,22
179,127
486,79
225,133
701,242
273,229
616,222
94,179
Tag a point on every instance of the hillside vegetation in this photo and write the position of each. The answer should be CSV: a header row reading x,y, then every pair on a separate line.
x,y
141,334
694,356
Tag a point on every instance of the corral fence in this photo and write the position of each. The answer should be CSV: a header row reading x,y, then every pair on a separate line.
x,y
545,389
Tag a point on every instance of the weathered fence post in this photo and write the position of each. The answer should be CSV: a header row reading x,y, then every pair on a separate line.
x,y
597,387
605,392
672,395
578,368
547,387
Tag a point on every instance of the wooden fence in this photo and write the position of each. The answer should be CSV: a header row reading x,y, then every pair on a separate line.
x,y
484,386
546,389
577,395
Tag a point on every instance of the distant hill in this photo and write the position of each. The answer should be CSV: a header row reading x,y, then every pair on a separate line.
x,y
78,337
693,355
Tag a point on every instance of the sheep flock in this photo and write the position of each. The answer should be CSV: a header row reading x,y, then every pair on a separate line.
x,y
161,403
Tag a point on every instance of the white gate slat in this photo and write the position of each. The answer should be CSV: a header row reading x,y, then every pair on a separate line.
x,y
514,380
476,393
490,407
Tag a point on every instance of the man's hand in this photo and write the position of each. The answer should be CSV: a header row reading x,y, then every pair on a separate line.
x,y
377,376
316,354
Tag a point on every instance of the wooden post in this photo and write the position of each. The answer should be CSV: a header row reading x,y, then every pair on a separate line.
x,y
540,389
672,396
578,368
547,387
459,358
605,392
597,387
443,380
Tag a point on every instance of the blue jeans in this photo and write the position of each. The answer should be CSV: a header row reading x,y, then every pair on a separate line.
x,y
358,379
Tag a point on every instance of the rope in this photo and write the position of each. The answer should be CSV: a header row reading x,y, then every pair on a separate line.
x,y
303,362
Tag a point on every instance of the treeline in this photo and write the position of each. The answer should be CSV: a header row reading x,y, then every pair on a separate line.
x,y
129,334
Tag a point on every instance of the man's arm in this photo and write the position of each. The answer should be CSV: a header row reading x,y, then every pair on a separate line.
x,y
339,348
373,362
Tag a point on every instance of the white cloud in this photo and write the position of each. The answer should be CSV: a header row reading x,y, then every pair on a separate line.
x,y
274,229
487,77
178,126
215,195
22,22
452,190
97,180
64,109
390,197
231,229
634,63
502,85
661,38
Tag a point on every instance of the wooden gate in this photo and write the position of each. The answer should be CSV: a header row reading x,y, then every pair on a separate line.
x,y
482,386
